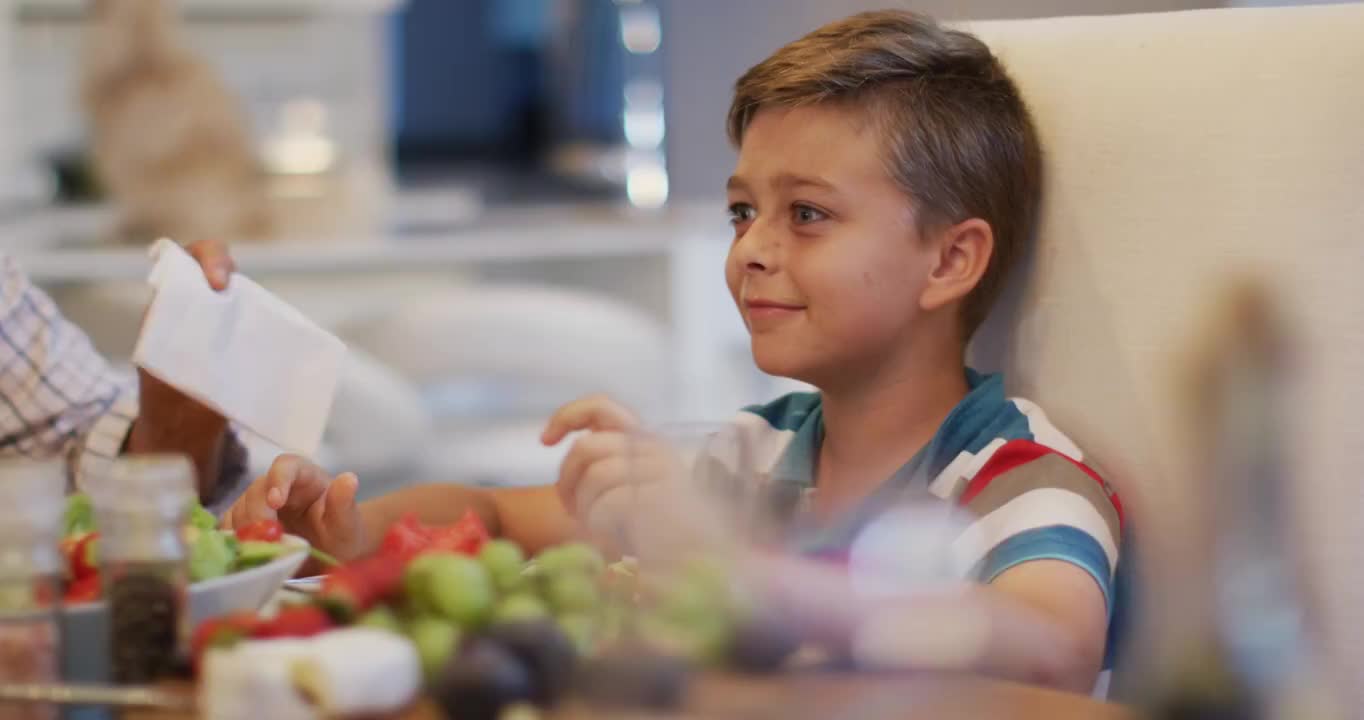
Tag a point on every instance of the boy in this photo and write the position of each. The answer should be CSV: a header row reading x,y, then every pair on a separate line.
x,y
887,181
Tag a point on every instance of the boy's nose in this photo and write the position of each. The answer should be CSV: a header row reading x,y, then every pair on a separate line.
x,y
757,250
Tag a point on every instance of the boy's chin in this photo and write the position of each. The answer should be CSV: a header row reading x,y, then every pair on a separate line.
x,y
785,367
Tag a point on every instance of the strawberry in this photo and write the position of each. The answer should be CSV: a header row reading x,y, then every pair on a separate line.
x,y
296,621
357,586
224,631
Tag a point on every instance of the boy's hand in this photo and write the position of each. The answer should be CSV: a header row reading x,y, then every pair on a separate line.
x,y
308,502
599,456
622,484
597,469
597,413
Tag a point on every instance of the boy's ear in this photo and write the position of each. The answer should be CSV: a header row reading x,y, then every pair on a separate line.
x,y
964,252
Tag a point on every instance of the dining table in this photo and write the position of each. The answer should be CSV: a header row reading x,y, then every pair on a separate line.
x,y
817,696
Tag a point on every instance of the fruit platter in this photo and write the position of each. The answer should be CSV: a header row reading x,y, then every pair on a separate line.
x,y
471,626
446,622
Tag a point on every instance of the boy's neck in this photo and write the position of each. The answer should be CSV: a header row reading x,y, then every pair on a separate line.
x,y
874,426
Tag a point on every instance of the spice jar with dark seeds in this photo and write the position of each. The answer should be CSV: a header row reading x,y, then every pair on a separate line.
x,y
30,568
142,509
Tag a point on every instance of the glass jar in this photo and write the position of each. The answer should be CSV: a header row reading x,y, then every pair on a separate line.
x,y
141,509
30,576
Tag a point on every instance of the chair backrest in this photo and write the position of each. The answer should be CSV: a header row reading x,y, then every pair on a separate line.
x,y
1182,149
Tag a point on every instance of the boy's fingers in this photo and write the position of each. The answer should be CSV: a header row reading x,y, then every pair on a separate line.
x,y
586,451
608,473
334,517
596,412
227,521
611,514
294,484
340,496
253,505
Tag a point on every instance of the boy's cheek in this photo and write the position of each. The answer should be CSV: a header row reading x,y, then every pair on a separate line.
x,y
734,281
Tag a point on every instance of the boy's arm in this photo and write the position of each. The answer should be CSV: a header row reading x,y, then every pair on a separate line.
x,y
1061,631
1043,622
311,503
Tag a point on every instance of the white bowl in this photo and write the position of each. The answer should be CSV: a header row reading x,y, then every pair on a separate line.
x,y
85,627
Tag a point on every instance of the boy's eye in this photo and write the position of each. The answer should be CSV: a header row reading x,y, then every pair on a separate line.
x,y
805,214
741,213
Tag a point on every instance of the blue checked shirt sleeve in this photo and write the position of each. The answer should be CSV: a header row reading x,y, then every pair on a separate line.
x,y
58,396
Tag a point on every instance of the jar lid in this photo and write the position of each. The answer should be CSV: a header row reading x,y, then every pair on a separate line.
x,y
146,484
31,498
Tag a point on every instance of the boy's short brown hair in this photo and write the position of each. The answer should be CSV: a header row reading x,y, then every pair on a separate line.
x,y
962,144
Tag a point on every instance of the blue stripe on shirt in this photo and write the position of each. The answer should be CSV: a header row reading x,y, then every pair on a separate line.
x,y
1054,542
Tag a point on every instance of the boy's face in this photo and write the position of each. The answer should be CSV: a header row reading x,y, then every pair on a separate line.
x,y
827,266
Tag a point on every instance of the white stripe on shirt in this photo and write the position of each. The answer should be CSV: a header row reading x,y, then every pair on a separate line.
x,y
1034,509
765,443
1044,432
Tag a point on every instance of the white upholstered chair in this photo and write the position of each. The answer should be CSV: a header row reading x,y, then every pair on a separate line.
x,y
1181,149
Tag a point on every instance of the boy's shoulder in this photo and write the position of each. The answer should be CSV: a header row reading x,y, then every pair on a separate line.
x,y
1007,446
986,416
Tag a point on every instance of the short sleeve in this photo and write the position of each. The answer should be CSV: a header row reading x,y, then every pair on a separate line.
x,y
1029,502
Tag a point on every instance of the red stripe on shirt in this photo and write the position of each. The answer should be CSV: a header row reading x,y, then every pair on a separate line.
x,y
1017,453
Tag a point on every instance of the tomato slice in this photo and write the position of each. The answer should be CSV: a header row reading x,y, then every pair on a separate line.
x,y
405,538
79,551
466,536
261,531
84,590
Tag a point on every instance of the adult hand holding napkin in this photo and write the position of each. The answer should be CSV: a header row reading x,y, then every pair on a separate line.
x,y
227,349
169,421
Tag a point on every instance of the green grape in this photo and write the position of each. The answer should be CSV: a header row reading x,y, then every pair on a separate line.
x,y
383,618
707,573
521,606
705,640
572,557
502,557
581,629
455,586
415,579
683,600
614,619
436,640
511,583
571,593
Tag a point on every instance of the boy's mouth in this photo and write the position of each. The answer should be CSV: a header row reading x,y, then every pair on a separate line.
x,y
773,304
761,311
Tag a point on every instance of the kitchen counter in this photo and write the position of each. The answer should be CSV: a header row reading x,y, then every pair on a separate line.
x,y
501,236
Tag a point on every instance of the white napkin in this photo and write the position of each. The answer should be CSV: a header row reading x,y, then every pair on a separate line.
x,y
243,352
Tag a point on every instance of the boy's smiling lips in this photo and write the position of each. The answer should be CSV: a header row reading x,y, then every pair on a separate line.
x,y
764,312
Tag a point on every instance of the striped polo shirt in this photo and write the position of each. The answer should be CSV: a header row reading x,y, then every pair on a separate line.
x,y
1024,485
